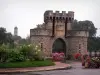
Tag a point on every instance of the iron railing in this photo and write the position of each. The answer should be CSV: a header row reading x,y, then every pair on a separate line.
x,y
94,54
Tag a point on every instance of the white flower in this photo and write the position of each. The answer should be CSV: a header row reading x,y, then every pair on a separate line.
x,y
39,50
36,46
29,45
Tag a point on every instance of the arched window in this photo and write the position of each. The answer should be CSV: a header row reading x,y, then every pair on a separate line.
x,y
60,18
63,18
50,18
72,18
56,18
69,19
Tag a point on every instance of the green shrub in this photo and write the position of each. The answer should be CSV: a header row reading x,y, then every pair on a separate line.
x,y
15,56
27,52
22,53
31,52
38,54
3,54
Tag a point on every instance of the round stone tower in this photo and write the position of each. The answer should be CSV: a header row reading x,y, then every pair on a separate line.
x,y
15,31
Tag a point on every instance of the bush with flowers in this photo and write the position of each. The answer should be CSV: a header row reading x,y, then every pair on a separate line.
x,y
21,53
90,62
58,56
77,56
22,56
31,52
94,62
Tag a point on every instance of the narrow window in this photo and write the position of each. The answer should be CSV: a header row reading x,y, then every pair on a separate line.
x,y
79,46
50,18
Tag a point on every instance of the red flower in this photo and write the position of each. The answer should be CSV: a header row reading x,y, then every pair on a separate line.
x,y
77,55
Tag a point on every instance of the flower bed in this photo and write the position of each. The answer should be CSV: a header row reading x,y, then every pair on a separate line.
x,y
58,56
93,62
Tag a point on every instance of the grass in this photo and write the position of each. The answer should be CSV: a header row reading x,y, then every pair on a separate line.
x,y
26,64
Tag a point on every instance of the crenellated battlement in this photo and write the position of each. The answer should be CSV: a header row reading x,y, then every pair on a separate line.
x,y
58,27
49,15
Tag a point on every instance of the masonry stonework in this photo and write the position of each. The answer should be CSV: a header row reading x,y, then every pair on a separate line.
x,y
59,25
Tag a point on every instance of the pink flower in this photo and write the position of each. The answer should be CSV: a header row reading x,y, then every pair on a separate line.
x,y
58,56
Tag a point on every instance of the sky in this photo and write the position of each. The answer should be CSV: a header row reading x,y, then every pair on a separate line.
x,y
26,14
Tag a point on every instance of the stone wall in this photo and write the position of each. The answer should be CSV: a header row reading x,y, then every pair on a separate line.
x,y
40,32
73,44
46,42
77,44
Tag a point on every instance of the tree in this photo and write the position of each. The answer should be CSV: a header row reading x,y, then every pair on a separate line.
x,y
9,38
5,37
85,25
94,43
28,39
25,40
22,41
2,35
91,27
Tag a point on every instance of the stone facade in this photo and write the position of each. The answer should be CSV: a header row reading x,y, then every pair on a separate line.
x,y
59,25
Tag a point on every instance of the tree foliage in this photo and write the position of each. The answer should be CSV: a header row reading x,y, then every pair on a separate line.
x,y
5,37
85,25
2,35
91,27
25,40
94,43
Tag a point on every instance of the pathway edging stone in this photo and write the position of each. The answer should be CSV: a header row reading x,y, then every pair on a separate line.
x,y
57,66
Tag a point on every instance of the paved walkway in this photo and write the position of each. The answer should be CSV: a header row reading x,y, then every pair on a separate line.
x,y
58,65
76,70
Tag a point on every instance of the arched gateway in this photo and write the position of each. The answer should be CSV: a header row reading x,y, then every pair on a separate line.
x,y
56,25
59,45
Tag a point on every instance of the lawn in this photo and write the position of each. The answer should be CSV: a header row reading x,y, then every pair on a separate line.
x,y
27,64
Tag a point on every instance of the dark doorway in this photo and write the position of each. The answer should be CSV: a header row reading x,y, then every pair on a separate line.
x,y
59,46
